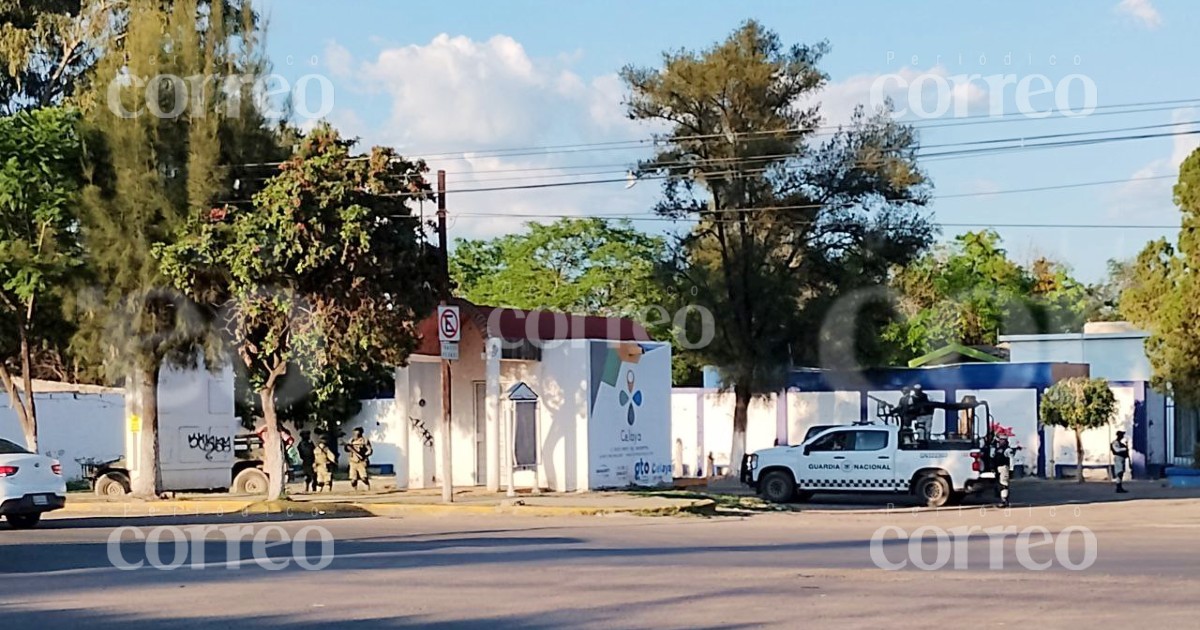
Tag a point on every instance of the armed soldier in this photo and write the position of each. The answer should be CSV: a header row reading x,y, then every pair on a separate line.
x,y
1000,454
1120,452
323,458
360,451
307,452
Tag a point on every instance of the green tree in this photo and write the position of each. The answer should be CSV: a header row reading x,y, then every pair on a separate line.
x,y
39,251
970,292
784,221
327,269
1163,295
1078,404
147,173
585,266
47,46
1106,295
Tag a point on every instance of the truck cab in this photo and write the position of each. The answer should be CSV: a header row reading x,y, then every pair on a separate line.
x,y
871,458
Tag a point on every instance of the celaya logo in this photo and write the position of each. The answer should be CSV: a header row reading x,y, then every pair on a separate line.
x,y
644,468
631,398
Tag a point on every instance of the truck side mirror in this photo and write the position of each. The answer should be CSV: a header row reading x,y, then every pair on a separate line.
x,y
807,449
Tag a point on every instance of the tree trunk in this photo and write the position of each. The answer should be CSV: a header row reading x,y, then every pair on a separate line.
x,y
273,460
1079,455
146,481
17,402
28,408
741,408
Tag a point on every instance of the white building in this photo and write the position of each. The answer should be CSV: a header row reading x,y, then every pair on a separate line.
x,y
703,417
586,398
1116,351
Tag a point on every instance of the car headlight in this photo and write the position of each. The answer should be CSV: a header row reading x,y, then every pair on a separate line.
x,y
753,462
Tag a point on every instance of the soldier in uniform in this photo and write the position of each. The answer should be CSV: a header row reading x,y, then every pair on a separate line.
x,y
1120,452
323,458
1002,461
360,451
307,451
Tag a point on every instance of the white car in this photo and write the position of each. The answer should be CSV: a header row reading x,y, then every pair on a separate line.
x,y
30,484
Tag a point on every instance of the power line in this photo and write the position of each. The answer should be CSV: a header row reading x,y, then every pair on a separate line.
x,y
693,219
834,205
959,153
814,130
1129,108
723,162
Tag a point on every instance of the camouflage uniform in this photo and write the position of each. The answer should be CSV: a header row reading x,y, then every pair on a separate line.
x,y
360,454
322,460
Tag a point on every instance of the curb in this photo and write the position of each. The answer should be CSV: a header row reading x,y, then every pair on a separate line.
x,y
246,507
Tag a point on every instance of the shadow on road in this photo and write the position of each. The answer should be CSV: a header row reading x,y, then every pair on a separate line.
x,y
552,619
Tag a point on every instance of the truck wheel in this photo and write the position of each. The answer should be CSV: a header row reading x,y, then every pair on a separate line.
x,y
24,521
778,487
933,490
250,481
112,485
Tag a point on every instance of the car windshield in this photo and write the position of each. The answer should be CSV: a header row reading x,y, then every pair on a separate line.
x,y
9,448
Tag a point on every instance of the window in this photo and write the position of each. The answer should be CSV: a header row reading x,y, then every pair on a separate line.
x,y
8,448
870,440
1187,430
836,441
812,431
525,440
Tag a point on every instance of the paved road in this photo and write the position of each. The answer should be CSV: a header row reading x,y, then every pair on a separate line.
x,y
807,569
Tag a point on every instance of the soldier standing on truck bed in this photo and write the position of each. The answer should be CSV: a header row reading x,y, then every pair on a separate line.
x,y
360,455
323,458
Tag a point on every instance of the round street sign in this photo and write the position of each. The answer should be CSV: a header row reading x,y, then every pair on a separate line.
x,y
449,327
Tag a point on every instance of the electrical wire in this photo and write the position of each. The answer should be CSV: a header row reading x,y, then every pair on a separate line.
x,y
1113,109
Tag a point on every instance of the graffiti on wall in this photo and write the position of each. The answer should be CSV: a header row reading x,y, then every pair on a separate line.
x,y
209,444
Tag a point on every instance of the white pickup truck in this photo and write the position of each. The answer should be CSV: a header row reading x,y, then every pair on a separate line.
x,y
868,458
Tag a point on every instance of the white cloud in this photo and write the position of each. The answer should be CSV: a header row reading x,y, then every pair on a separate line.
x,y
1140,11
1148,193
963,94
338,59
476,97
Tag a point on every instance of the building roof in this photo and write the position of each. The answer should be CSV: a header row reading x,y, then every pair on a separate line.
x,y
958,353
530,327
1091,330
964,376
41,386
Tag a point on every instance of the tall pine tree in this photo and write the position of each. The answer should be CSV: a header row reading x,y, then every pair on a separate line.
x,y
162,150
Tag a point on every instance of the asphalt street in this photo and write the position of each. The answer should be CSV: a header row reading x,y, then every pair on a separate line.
x,y
812,568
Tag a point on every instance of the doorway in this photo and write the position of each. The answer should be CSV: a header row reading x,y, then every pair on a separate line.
x,y
480,433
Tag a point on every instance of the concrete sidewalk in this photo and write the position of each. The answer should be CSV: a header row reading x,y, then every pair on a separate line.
x,y
389,503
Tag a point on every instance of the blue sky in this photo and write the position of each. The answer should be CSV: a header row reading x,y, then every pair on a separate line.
x,y
451,79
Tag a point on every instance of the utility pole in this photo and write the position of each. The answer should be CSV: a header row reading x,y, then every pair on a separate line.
x,y
447,427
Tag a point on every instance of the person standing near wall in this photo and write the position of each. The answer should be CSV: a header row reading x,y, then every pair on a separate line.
x,y
1001,457
1120,452
360,456
322,460
307,451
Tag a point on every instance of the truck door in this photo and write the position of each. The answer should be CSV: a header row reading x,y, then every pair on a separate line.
x,y
874,465
826,465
